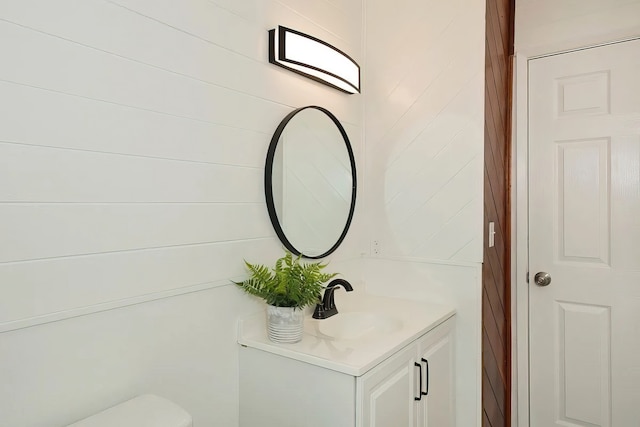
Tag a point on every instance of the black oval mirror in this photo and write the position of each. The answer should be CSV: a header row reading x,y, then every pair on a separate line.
x,y
310,182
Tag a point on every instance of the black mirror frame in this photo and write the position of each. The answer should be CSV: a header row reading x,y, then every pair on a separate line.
x,y
268,187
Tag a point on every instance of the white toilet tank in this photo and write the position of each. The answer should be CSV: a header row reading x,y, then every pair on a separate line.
x,y
147,410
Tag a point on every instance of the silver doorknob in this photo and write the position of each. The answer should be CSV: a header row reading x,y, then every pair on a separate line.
x,y
542,279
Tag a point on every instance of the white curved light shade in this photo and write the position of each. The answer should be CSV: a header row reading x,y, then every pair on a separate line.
x,y
313,58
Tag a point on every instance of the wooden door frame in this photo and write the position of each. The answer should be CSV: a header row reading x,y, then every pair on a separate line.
x,y
520,224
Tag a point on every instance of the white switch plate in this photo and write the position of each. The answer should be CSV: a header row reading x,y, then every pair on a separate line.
x,y
492,234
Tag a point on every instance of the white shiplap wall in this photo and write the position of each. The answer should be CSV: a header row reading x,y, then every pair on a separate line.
x,y
132,149
547,26
424,118
424,127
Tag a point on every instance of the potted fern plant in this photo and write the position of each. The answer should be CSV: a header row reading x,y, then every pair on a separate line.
x,y
287,289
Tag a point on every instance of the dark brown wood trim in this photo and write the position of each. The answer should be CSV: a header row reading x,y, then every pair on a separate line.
x,y
496,268
508,234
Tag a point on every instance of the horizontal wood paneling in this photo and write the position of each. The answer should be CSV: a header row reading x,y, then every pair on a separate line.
x,y
336,21
33,230
74,69
34,290
84,124
136,125
132,148
146,37
58,175
182,348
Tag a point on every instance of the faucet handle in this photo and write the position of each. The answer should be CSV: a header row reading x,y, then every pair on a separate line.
x,y
319,313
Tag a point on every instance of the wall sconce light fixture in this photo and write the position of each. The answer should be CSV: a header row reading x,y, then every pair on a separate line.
x,y
313,58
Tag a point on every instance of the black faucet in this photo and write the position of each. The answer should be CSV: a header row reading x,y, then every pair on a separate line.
x,y
327,307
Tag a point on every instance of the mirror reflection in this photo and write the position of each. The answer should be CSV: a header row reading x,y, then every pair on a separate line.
x,y
310,182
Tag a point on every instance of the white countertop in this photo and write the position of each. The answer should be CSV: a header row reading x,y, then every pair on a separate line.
x,y
351,356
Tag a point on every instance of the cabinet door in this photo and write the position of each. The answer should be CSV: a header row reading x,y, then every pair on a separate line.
x,y
436,357
385,394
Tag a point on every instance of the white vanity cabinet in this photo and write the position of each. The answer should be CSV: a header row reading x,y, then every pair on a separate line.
x,y
277,391
436,355
413,387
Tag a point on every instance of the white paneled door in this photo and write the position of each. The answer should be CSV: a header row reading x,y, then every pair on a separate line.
x,y
584,219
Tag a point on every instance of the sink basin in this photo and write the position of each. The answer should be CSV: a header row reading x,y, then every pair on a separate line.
x,y
355,325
